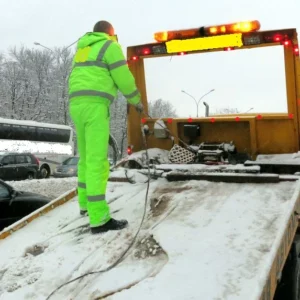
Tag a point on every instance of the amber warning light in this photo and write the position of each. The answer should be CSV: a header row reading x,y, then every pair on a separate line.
x,y
239,27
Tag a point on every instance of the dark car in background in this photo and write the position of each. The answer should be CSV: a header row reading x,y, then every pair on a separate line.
x,y
68,168
18,166
15,205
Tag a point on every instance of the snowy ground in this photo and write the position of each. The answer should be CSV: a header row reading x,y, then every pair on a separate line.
x,y
52,187
200,240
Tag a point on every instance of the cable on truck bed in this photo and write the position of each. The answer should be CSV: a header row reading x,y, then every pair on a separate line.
x,y
120,259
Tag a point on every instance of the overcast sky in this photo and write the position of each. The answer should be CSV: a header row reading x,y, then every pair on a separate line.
x,y
241,79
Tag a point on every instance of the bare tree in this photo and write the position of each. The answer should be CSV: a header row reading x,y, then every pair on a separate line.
x,y
62,68
118,122
33,84
161,109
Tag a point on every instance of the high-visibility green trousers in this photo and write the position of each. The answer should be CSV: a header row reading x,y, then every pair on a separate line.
x,y
91,121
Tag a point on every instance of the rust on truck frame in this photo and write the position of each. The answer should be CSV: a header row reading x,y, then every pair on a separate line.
x,y
266,133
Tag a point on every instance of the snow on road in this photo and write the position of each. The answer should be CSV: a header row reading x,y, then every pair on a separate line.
x,y
52,187
200,240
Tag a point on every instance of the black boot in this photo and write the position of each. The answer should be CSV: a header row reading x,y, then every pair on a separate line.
x,y
83,212
112,224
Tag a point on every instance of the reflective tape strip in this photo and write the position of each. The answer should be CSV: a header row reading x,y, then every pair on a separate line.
x,y
101,64
136,92
92,93
103,50
117,64
91,64
96,198
82,185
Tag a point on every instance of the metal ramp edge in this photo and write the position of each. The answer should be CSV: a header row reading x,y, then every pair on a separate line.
x,y
37,213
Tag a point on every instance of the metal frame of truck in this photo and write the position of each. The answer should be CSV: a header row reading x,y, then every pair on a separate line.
x,y
265,133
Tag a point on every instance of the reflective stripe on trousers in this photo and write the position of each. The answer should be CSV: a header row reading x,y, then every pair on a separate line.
x,y
81,188
92,93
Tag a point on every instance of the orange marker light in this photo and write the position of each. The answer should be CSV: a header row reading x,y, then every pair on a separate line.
x,y
176,34
161,36
214,30
239,27
223,29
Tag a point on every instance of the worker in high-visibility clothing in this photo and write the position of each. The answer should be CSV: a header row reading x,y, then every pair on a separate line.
x,y
99,70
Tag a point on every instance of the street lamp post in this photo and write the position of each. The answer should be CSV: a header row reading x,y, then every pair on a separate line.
x,y
197,102
39,44
248,110
206,109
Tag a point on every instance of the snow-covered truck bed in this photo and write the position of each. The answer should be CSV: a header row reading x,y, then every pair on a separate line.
x,y
200,240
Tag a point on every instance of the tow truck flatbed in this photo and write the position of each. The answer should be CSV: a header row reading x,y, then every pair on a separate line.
x,y
217,240
201,239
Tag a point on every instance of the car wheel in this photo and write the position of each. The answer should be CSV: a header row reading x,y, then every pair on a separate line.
x,y
30,176
44,172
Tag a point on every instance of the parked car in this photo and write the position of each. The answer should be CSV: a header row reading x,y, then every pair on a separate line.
x,y
15,205
18,166
68,168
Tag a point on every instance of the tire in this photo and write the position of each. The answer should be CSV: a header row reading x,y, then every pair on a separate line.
x,y
296,284
296,268
30,176
44,172
289,287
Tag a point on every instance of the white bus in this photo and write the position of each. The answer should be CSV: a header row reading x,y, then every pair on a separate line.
x,y
50,143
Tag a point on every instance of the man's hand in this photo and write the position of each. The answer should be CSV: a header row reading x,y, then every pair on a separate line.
x,y
139,107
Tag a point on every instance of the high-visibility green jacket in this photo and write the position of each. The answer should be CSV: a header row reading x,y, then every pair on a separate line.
x,y
100,70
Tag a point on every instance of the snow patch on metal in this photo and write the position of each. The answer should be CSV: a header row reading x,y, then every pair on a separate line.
x,y
207,168
155,154
293,158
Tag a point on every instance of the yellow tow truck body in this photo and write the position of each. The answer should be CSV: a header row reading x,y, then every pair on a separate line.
x,y
265,133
